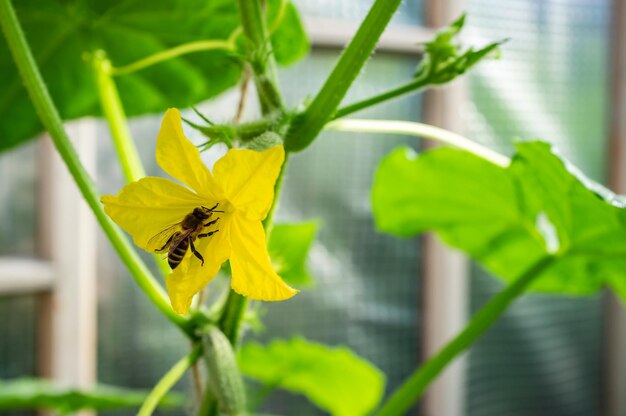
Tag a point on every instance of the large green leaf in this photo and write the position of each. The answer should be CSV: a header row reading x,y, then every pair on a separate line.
x,y
289,246
507,218
335,379
30,393
62,33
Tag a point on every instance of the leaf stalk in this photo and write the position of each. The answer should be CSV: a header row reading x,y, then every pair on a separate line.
x,y
168,381
413,387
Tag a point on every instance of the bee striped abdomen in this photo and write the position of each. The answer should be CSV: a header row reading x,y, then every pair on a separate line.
x,y
177,252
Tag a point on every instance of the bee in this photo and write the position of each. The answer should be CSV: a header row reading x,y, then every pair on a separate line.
x,y
184,233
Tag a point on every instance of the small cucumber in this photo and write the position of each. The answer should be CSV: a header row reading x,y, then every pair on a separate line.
x,y
223,373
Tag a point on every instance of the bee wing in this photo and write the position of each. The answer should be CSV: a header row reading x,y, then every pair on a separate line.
x,y
159,240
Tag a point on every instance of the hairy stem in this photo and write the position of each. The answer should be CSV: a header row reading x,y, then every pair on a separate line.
x,y
255,29
264,72
413,388
168,381
51,120
426,131
260,55
307,125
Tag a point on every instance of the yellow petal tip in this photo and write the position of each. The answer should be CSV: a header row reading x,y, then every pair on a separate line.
x,y
275,294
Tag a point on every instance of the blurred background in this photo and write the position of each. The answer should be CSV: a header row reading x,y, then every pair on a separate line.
x,y
391,301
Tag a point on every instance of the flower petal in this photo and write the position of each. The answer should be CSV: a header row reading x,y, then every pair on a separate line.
x,y
253,275
181,159
248,177
148,206
191,276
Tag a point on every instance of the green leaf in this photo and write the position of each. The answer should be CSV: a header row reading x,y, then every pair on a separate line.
x,y
63,33
28,393
335,379
507,218
445,60
289,41
289,247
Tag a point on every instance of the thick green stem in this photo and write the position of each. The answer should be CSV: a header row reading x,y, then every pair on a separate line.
x,y
412,86
308,124
426,131
52,121
168,381
232,316
255,28
413,388
264,70
260,55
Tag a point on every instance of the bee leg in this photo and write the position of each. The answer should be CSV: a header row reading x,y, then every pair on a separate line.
x,y
167,243
195,252
209,234
208,224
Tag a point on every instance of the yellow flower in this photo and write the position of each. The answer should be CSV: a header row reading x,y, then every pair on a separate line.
x,y
240,189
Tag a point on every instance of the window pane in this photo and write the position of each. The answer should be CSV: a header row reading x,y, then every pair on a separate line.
x,y
18,215
543,356
409,12
18,343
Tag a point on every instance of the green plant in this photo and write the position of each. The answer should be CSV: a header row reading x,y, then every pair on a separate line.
x,y
531,221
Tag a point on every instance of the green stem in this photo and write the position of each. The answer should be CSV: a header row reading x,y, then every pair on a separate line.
x,y
264,70
413,388
116,118
426,131
50,118
123,142
197,46
255,29
308,124
168,380
260,54
232,316
412,86
209,405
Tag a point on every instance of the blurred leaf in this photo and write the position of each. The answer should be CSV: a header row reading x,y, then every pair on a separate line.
x,y
289,247
289,41
444,59
335,379
62,33
28,393
507,218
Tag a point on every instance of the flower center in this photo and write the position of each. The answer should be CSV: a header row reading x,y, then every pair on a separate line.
x,y
226,207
